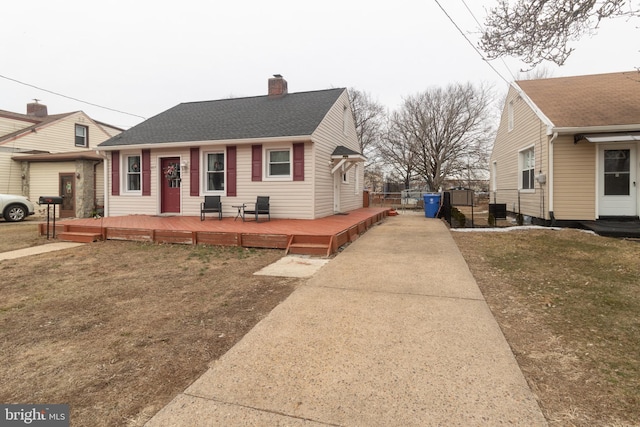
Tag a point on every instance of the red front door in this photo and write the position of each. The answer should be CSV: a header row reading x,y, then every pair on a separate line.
x,y
170,185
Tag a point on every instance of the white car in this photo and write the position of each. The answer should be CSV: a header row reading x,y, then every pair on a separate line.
x,y
15,208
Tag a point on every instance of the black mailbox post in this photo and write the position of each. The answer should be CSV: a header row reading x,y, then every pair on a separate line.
x,y
51,200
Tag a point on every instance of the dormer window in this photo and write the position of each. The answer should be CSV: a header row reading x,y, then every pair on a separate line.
x,y
82,136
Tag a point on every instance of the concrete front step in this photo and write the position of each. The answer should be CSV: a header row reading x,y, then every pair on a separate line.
x,y
309,245
309,249
79,237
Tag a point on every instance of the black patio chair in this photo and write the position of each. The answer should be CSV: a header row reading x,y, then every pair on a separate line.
x,y
261,207
211,204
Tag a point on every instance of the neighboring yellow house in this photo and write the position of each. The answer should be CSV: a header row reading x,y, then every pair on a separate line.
x,y
567,149
300,149
54,155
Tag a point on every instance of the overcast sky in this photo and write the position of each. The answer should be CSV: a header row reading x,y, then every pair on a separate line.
x,y
143,57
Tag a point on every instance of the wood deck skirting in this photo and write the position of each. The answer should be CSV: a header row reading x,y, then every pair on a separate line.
x,y
323,236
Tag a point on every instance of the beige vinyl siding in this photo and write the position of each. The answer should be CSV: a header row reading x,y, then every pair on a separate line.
x,y
111,131
59,136
10,174
8,125
134,204
574,179
288,199
329,135
528,132
44,181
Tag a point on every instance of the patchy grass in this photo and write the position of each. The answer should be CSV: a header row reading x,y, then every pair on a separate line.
x,y
117,329
568,304
20,235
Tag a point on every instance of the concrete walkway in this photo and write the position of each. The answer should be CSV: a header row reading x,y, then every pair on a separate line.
x,y
392,332
36,250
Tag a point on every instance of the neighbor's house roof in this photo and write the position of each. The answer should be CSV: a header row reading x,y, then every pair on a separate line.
x,y
38,122
600,100
290,115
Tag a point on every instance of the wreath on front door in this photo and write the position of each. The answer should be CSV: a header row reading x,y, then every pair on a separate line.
x,y
172,171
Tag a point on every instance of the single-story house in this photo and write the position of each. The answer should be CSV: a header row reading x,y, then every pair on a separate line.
x,y
566,149
300,149
54,155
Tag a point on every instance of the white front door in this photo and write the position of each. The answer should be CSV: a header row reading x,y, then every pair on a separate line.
x,y
617,190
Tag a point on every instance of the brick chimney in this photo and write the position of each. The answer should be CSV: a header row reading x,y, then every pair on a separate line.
x,y
277,86
35,109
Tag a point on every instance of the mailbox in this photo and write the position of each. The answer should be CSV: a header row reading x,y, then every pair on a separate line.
x,y
50,200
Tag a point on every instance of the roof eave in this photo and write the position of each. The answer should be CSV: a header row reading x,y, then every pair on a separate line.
x,y
568,130
356,157
183,144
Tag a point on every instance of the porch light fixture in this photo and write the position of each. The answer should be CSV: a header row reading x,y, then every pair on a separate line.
x,y
184,164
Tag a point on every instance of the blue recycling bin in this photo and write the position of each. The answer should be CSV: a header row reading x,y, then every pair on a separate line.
x,y
431,205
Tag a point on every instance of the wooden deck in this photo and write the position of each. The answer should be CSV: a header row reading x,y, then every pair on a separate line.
x,y
312,237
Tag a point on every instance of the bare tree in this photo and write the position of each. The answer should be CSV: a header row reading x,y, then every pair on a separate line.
x,y
397,151
539,30
369,116
442,133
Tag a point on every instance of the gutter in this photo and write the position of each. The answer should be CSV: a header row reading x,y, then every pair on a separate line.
x,y
550,182
592,129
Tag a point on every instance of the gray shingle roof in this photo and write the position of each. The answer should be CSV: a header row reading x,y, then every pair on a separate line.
x,y
296,114
341,150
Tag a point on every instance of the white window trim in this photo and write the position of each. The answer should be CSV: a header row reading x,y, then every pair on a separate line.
x,y
521,169
204,175
125,174
265,164
86,135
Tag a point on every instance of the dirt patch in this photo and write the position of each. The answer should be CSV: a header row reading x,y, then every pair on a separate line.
x,y
117,329
568,304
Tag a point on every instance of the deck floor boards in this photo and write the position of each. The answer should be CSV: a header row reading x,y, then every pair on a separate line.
x,y
276,230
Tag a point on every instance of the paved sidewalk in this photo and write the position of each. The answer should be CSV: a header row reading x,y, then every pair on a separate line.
x,y
36,250
392,332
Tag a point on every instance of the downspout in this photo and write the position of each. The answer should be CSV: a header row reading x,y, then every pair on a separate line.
x,y
105,182
550,180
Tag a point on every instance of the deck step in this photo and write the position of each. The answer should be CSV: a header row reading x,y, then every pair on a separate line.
x,y
79,237
309,245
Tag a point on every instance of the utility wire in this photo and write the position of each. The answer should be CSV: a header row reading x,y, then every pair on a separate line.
x,y
470,43
70,97
480,26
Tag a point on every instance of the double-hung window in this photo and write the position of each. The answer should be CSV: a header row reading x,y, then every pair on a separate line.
x,y
82,136
279,163
133,173
527,169
215,171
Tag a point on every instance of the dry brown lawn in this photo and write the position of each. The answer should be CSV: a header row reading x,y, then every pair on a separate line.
x,y
568,303
117,329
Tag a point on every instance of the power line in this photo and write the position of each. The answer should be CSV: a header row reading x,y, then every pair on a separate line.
x,y
72,98
480,26
470,43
